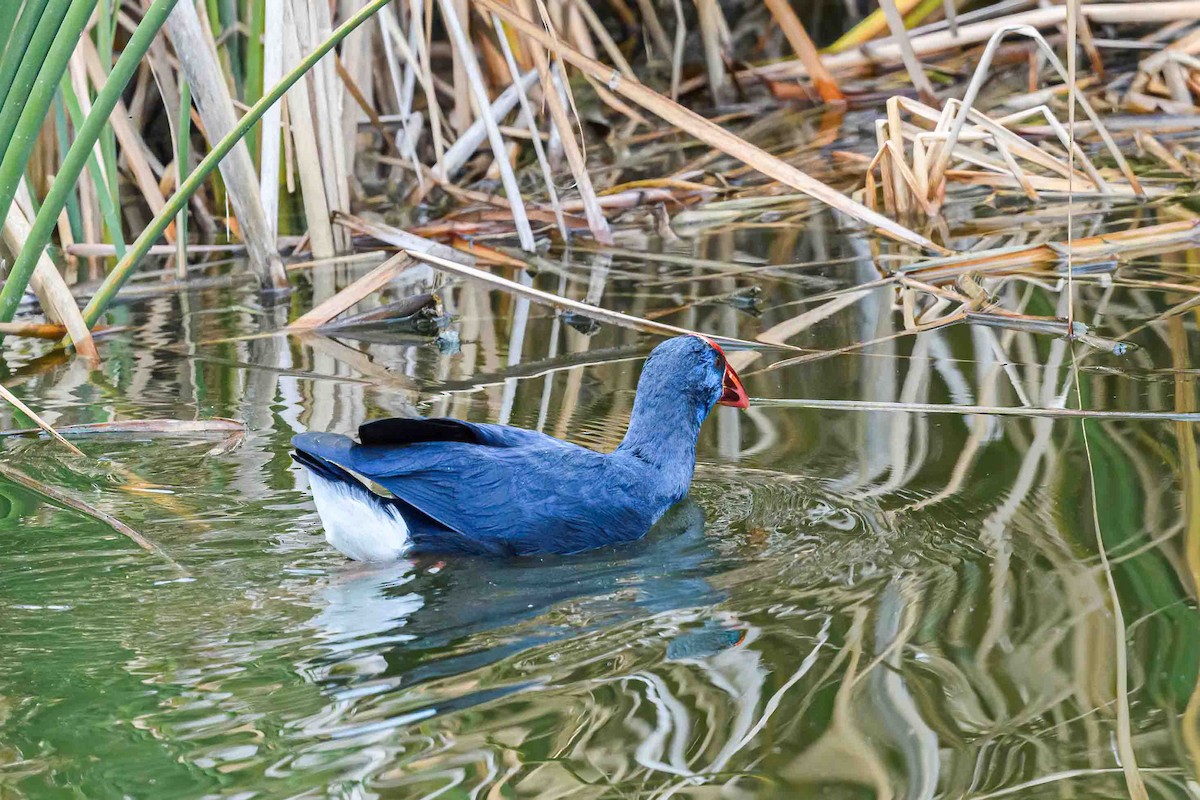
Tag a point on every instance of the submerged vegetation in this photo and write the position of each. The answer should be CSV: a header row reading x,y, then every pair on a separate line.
x,y
816,185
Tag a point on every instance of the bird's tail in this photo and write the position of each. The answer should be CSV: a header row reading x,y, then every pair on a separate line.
x,y
324,469
358,522
318,451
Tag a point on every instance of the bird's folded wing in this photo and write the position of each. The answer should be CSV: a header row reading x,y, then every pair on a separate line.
x,y
520,495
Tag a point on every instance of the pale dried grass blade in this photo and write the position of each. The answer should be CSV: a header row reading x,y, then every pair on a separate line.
x,y
957,408
944,152
400,238
308,155
272,131
465,146
597,222
466,52
916,73
976,32
530,121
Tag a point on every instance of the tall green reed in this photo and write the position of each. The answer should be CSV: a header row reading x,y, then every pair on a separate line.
x,y
77,157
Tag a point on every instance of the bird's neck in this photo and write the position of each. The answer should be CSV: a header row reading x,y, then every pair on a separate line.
x,y
663,430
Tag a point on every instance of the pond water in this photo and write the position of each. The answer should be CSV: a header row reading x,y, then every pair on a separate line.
x,y
851,604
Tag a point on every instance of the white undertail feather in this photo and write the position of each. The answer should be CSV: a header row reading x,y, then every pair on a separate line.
x,y
357,523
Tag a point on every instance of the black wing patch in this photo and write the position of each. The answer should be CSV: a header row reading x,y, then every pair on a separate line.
x,y
415,430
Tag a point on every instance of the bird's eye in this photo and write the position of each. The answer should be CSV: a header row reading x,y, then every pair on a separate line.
x,y
720,360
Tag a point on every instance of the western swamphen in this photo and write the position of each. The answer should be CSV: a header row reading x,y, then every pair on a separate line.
x,y
465,487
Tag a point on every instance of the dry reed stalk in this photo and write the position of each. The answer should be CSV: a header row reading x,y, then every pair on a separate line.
x,y
198,61
424,74
302,131
658,34
312,25
90,250
51,290
460,115
530,121
823,80
475,135
46,330
677,50
398,238
357,61
714,39
271,130
1022,257
406,141
712,134
941,159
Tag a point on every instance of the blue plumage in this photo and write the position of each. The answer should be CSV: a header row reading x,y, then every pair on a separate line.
x,y
462,487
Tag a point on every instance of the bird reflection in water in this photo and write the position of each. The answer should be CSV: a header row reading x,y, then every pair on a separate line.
x,y
417,620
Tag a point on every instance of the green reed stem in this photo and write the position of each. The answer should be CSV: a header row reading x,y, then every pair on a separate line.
x,y
124,268
22,64
8,23
27,112
76,158
19,43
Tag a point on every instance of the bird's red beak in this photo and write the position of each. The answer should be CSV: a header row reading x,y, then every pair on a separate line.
x,y
733,393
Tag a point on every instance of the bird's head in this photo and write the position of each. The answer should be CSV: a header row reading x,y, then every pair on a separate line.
x,y
694,366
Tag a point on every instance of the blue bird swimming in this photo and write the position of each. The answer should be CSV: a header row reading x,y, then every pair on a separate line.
x,y
466,487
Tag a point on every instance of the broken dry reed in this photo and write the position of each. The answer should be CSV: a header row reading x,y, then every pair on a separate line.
x,y
16,403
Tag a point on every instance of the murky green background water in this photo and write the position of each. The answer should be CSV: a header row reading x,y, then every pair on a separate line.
x,y
853,605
